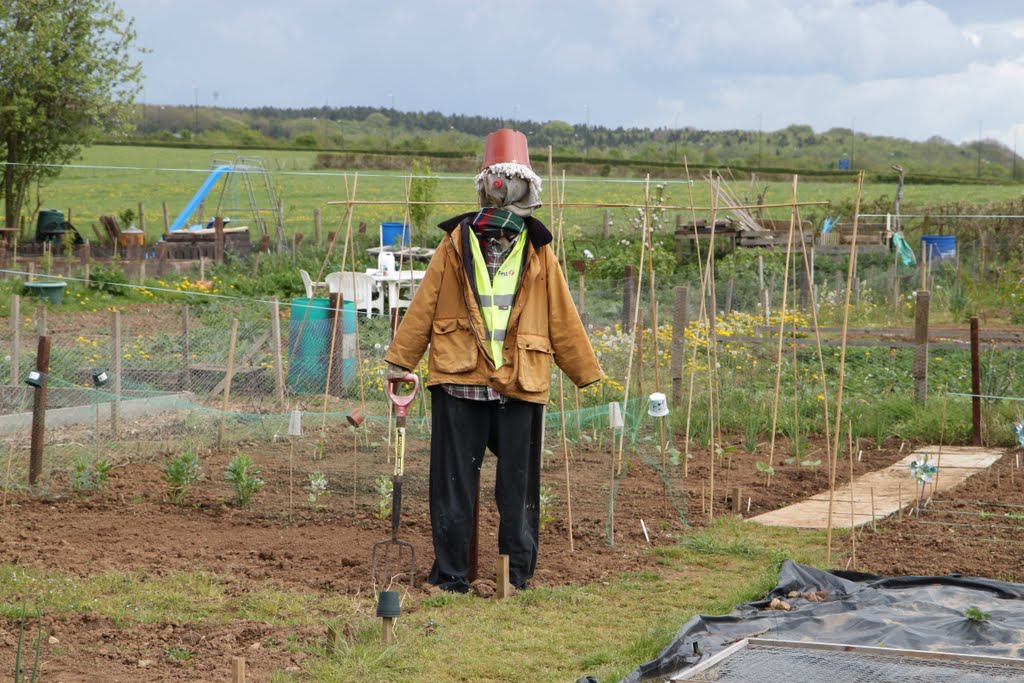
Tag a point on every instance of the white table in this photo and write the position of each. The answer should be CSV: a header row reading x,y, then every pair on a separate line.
x,y
395,280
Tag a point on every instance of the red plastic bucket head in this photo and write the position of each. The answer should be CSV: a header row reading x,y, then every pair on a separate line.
x,y
506,146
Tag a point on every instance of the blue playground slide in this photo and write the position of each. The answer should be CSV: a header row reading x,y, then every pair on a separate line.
x,y
199,196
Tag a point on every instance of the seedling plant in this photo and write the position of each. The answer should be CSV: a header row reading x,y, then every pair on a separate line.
x,y
244,477
179,474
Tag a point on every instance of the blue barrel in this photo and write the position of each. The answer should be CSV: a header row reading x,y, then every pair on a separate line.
x,y
939,247
309,337
391,233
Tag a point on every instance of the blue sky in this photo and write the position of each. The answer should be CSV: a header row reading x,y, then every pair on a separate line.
x,y
906,69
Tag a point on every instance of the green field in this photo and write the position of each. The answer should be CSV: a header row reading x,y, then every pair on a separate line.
x,y
153,175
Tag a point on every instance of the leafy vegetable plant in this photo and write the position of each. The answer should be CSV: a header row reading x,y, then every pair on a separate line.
x,y
244,477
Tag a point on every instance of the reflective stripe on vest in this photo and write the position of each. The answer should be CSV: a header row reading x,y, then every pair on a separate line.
x,y
496,297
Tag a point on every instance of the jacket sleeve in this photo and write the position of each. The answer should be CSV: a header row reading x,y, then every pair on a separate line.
x,y
413,334
569,340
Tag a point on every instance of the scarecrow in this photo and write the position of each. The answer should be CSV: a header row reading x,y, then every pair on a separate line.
x,y
495,310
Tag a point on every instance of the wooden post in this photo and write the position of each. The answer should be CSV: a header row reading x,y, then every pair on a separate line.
x,y
280,224
41,327
15,339
728,295
681,320
186,352
387,633
161,258
606,229
35,461
142,273
227,382
737,500
167,218
87,262
503,587
142,217
218,228
920,371
275,323
238,670
202,211
317,227
975,384
115,371
679,237
255,265
583,298
628,295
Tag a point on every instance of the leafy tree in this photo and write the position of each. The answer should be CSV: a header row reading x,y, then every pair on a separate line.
x,y
68,73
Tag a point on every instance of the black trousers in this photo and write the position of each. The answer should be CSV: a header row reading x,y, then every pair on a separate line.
x,y
461,430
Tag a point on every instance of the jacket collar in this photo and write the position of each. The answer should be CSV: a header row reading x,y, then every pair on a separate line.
x,y
537,232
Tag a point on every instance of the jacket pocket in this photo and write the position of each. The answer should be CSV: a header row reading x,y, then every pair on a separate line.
x,y
534,362
452,346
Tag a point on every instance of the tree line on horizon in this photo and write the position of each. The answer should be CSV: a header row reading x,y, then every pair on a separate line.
x,y
383,130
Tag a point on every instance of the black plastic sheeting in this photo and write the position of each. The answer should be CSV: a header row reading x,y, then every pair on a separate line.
x,y
910,612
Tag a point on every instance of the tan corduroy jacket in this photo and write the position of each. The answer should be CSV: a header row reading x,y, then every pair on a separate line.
x,y
544,323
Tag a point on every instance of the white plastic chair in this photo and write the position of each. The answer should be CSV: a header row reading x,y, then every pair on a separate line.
x,y
366,296
309,284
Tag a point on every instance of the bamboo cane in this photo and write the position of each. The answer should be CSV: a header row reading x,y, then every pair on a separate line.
x,y
853,520
821,358
842,368
636,314
702,275
339,305
561,387
782,325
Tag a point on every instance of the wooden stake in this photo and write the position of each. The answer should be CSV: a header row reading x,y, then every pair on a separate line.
x,y
561,393
737,501
186,351
853,519
167,218
874,527
238,670
275,329
38,439
387,634
317,229
333,638
227,383
504,588
115,371
15,339
842,371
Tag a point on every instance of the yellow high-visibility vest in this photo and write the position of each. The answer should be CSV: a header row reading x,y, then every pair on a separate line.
x,y
496,297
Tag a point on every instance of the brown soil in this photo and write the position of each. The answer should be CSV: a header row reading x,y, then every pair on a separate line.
x,y
130,526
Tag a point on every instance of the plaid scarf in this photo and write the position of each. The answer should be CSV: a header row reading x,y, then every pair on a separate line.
x,y
492,223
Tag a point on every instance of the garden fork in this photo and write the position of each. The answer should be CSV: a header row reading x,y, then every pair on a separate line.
x,y
392,551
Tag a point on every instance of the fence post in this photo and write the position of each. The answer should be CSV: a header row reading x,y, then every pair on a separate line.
x,y
41,320
275,323
316,226
186,352
607,226
975,384
227,382
921,345
681,320
728,295
15,339
628,296
218,228
142,217
35,462
167,218
115,367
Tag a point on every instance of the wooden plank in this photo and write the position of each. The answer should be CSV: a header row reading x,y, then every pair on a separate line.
x,y
956,464
887,651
